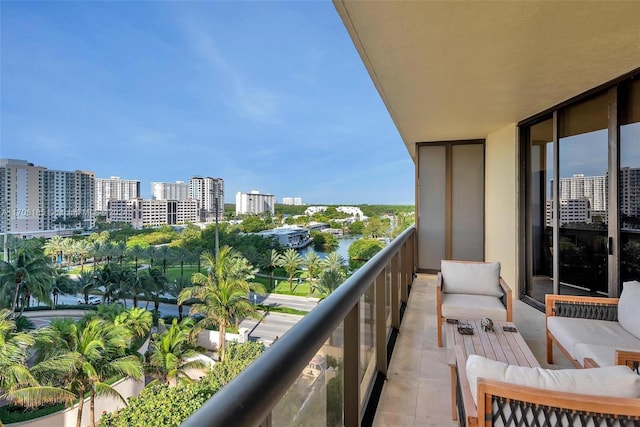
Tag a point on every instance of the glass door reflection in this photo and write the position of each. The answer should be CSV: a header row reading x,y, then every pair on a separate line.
x,y
582,195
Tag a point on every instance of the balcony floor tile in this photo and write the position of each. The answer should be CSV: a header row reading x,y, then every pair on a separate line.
x,y
417,390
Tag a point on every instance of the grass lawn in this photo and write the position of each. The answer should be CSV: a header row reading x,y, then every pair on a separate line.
x,y
173,273
303,289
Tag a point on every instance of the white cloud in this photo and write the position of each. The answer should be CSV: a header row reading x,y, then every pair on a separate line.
x,y
248,99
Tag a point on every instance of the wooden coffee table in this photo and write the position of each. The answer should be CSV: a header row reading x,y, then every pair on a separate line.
x,y
500,344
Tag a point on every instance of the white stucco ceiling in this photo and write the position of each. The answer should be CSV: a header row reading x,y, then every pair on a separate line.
x,y
451,70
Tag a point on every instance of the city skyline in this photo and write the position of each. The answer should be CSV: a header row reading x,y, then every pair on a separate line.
x,y
164,91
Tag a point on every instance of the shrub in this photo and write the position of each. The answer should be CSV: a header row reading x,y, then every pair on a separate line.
x,y
14,414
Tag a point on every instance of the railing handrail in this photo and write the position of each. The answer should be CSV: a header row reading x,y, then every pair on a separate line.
x,y
249,398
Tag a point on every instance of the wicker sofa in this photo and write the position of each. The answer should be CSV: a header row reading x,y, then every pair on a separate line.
x,y
513,396
593,331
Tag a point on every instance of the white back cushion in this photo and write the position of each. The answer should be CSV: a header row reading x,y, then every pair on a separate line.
x,y
475,278
612,381
628,314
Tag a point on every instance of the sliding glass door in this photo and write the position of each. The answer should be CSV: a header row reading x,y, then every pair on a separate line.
x,y
582,195
629,181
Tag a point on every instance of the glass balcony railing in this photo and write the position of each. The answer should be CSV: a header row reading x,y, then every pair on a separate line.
x,y
322,371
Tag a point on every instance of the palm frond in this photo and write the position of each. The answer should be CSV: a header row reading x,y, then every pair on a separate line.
x,y
31,397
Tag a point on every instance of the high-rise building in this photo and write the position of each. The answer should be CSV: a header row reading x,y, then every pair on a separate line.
x,y
178,190
34,198
581,197
254,203
629,202
209,192
114,188
591,187
295,201
571,211
152,213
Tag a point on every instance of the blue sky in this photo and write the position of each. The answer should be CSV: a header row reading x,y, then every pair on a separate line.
x,y
266,95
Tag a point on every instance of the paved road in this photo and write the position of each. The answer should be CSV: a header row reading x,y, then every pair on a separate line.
x,y
272,325
277,300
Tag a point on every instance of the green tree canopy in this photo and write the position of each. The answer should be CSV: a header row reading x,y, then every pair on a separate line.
x,y
254,224
363,250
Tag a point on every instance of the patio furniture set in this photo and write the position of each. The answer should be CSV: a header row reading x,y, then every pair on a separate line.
x,y
497,381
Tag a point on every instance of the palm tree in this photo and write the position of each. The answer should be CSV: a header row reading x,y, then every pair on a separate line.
x,y
84,283
103,278
18,382
95,354
328,282
53,248
157,285
312,262
291,262
165,253
170,351
270,261
175,288
182,255
14,348
137,320
152,253
120,251
26,275
82,249
333,261
67,250
106,250
251,254
136,252
61,283
122,283
223,294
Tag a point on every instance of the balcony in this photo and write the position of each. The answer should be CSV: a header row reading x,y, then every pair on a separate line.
x,y
366,355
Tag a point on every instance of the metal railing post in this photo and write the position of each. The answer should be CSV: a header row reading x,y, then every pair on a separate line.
x,y
404,277
395,291
381,322
351,365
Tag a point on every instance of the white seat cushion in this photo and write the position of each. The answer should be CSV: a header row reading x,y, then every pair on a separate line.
x,y
603,355
571,331
463,306
628,314
612,381
475,278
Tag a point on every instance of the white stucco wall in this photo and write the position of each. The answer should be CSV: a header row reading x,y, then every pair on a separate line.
x,y
210,339
501,202
67,418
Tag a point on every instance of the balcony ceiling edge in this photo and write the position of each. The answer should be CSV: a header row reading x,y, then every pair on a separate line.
x,y
461,70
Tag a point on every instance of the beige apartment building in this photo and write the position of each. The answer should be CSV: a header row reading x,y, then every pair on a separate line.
x,y
178,190
209,192
254,203
153,213
114,188
37,200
